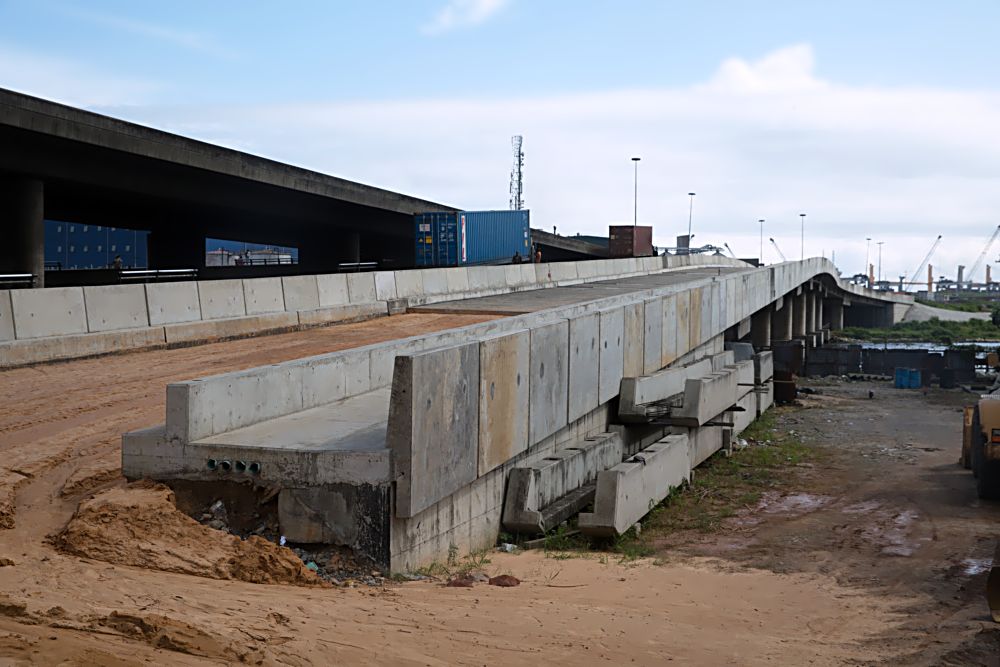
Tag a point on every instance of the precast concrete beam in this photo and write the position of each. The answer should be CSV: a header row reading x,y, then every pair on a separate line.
x,y
637,393
22,217
627,492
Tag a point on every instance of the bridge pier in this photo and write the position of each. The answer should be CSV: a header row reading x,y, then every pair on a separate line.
x,y
22,216
833,313
797,302
760,328
781,320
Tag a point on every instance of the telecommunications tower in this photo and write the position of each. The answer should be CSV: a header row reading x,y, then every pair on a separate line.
x,y
516,175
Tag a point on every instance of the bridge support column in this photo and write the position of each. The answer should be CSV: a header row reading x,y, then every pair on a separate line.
x,y
22,217
810,312
798,306
833,313
760,328
781,320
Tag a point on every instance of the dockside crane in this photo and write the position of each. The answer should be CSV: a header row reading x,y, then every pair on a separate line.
x,y
778,250
982,256
730,250
927,258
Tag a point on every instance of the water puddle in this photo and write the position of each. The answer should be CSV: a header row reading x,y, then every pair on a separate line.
x,y
798,503
974,566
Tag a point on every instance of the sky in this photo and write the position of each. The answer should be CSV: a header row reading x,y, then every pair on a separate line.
x,y
878,120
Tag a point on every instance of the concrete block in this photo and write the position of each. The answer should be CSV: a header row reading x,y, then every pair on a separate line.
x,y
634,343
652,335
6,317
433,435
263,295
55,311
111,307
301,292
612,354
170,303
332,290
638,392
703,442
354,312
763,366
627,492
221,298
765,397
706,398
234,327
385,285
409,284
548,383
534,488
584,365
361,287
38,350
504,363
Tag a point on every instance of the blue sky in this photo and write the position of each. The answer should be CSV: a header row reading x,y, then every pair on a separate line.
x,y
876,118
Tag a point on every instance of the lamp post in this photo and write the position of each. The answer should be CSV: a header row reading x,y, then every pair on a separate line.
x,y
802,241
635,197
690,215
879,244
868,245
761,258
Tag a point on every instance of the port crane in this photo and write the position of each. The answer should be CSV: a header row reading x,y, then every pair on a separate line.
x,y
982,256
778,250
927,259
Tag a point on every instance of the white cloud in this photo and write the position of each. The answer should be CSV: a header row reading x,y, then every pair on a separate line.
x,y
69,82
463,13
764,139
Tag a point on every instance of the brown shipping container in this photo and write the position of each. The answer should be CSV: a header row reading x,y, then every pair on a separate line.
x,y
629,241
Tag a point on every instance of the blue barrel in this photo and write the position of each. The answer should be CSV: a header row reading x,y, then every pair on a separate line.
x,y
915,378
902,380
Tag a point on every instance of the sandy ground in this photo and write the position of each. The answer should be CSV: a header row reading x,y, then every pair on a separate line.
x,y
919,312
876,558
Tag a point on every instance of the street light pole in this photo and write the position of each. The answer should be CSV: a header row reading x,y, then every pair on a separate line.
x,y
802,241
879,261
868,245
690,215
761,258
635,219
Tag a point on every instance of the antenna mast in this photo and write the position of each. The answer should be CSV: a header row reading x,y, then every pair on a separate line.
x,y
516,175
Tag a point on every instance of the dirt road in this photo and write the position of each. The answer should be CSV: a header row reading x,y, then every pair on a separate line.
x,y
875,557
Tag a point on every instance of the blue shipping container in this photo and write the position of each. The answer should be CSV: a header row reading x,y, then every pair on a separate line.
x,y
471,237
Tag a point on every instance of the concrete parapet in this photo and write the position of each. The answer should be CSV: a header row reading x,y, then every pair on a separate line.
x,y
170,303
112,307
263,295
548,382
433,435
634,343
584,365
385,285
652,351
56,311
409,284
504,363
221,299
6,317
301,292
628,491
612,330
333,291
533,489
361,287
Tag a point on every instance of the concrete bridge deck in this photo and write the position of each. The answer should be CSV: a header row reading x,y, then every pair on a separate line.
x,y
468,406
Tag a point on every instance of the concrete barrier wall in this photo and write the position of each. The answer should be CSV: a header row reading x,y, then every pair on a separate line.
x,y
57,311
114,307
6,317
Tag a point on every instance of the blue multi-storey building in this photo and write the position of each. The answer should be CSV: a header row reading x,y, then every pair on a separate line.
x,y
70,245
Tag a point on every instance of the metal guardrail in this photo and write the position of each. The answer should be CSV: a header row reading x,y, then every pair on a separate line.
x,y
153,275
16,280
356,266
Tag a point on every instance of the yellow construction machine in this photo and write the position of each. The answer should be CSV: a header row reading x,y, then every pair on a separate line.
x,y
981,453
